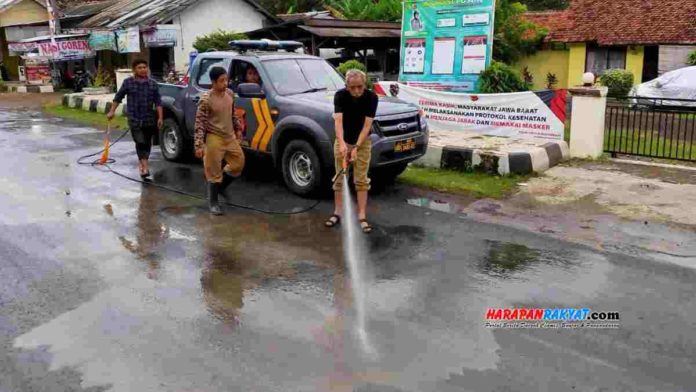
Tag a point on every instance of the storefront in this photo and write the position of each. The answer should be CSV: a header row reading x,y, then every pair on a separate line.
x,y
60,58
160,41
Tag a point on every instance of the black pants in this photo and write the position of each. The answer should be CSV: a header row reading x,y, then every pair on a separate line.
x,y
142,132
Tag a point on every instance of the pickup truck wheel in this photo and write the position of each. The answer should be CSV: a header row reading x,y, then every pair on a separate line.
x,y
173,143
302,169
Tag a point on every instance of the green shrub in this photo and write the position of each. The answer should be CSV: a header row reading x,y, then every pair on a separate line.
x,y
619,81
527,76
217,40
501,78
104,78
551,81
343,68
692,58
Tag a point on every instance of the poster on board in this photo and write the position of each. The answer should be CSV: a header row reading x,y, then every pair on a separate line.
x,y
102,40
128,40
37,70
414,59
446,44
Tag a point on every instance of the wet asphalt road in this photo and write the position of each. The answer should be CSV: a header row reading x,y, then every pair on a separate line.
x,y
109,285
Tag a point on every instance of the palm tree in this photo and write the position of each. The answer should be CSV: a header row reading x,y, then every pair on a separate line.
x,y
386,10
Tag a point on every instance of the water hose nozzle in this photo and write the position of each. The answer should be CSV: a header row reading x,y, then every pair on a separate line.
x,y
343,171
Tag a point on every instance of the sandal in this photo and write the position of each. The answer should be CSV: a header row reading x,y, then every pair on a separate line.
x,y
365,225
333,221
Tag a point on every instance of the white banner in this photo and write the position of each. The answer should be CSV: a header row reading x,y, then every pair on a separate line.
x,y
66,50
18,48
161,36
522,114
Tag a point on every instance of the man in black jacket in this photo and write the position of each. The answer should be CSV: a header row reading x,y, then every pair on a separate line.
x,y
143,98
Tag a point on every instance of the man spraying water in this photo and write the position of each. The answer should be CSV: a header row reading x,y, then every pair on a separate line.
x,y
355,108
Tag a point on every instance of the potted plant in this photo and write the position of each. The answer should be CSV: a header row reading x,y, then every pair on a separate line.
x,y
103,82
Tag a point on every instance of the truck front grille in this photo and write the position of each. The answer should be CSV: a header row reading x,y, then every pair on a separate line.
x,y
397,125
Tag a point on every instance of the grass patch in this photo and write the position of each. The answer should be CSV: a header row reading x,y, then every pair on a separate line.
x,y
479,184
97,120
649,143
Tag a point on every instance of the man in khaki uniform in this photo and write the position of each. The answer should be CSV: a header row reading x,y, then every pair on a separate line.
x,y
217,138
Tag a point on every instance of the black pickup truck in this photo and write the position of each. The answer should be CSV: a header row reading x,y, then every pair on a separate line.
x,y
289,117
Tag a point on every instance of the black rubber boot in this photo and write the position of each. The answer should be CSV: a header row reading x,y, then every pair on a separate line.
x,y
213,204
227,179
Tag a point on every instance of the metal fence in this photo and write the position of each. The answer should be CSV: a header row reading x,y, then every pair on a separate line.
x,y
651,127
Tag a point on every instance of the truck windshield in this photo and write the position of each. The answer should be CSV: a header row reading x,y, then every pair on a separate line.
x,y
297,76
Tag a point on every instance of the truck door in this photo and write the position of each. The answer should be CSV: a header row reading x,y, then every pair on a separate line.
x,y
253,112
199,84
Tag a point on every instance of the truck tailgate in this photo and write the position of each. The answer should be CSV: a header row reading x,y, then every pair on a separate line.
x,y
170,90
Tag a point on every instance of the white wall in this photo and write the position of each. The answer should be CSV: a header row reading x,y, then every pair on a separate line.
x,y
18,33
209,15
673,57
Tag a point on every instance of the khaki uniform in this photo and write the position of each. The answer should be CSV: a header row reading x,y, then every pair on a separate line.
x,y
360,167
215,131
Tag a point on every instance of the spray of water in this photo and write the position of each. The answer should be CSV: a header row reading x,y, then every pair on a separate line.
x,y
354,253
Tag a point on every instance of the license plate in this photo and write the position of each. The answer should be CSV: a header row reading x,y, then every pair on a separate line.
x,y
405,145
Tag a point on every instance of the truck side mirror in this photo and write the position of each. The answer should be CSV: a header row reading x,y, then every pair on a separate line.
x,y
250,90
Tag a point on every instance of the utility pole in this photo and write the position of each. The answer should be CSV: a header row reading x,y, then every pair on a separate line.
x,y
53,21
53,28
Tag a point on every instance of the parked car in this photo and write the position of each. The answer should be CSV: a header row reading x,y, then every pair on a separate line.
x,y
289,116
673,89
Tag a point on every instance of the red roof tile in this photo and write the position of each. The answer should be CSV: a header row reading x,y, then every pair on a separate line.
x,y
621,22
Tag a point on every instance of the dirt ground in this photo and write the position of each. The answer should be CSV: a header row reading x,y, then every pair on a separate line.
x,y
642,210
28,100
626,190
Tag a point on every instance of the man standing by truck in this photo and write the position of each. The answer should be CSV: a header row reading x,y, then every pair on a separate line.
x,y
355,108
218,137
143,97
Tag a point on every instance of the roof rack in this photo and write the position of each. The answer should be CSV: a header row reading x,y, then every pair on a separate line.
x,y
264,44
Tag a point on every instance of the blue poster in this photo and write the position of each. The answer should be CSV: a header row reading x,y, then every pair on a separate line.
x,y
446,44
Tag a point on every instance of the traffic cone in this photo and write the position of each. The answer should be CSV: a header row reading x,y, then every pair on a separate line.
x,y
105,154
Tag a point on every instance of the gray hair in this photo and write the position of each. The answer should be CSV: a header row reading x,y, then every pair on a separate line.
x,y
354,73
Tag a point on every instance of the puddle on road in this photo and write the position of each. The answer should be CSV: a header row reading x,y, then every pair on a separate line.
x,y
506,259
436,205
223,293
398,238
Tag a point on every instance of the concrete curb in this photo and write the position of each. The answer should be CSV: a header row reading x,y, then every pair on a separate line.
x,y
30,89
533,160
653,164
91,104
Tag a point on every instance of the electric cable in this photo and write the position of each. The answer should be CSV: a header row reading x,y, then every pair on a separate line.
x,y
94,163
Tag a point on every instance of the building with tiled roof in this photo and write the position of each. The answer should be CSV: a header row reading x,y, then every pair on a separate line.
x,y
647,37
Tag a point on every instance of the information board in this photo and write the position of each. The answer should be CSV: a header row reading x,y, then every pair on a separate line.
x,y
446,44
